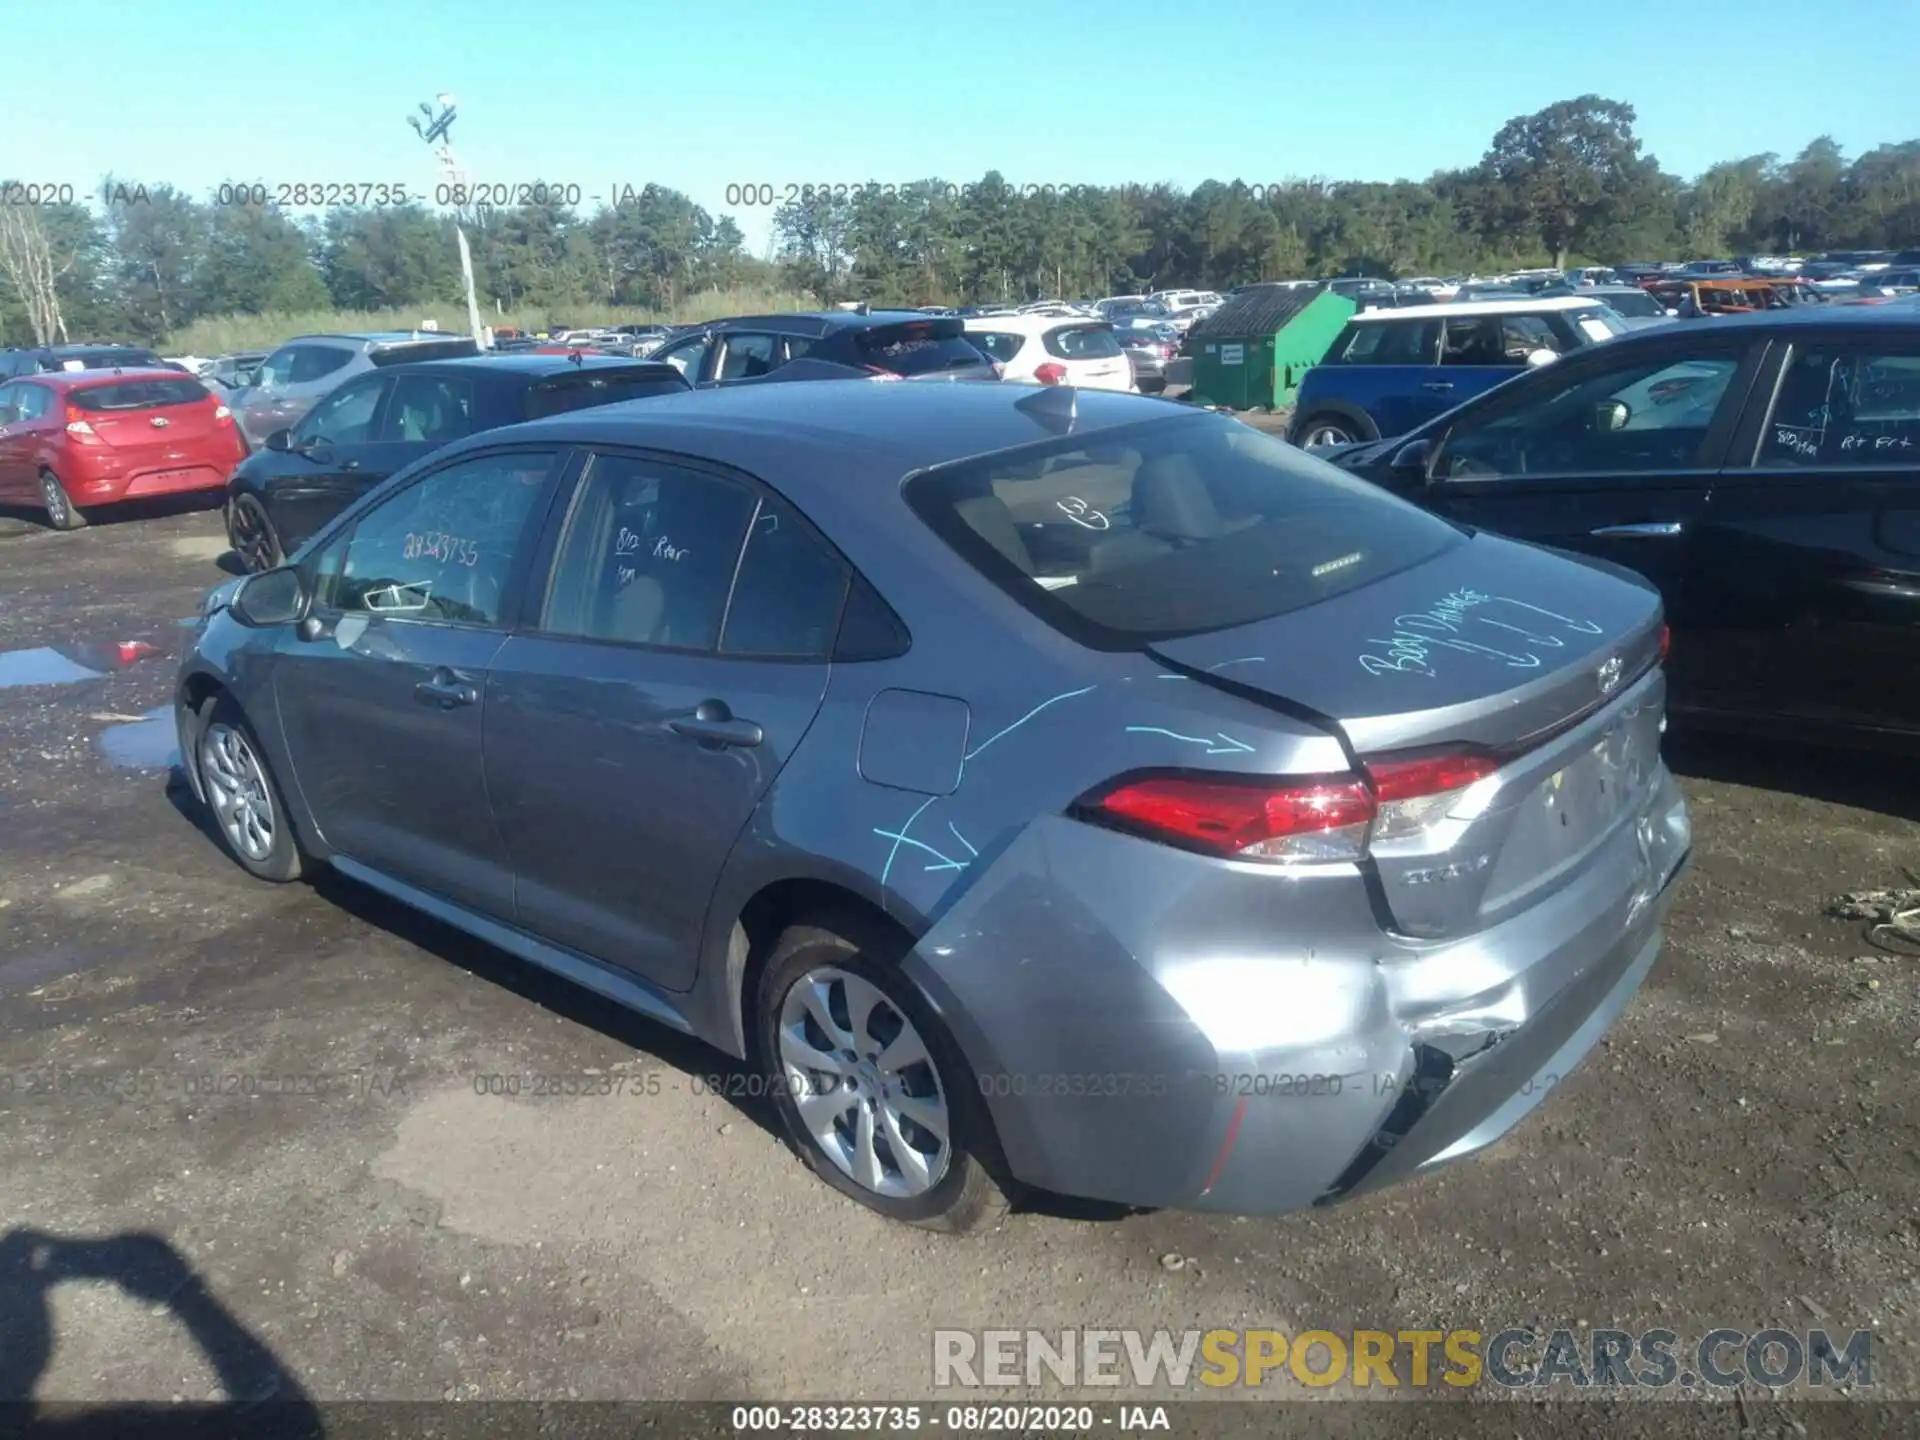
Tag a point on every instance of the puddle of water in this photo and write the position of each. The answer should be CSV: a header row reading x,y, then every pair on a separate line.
x,y
66,664
32,970
149,743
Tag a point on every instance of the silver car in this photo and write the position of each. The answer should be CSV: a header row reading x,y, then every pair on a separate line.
x,y
297,376
1038,789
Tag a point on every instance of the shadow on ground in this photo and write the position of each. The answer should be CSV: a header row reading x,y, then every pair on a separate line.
x,y
1864,780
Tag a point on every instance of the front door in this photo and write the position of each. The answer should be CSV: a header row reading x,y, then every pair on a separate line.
x,y
383,706
632,732
1611,460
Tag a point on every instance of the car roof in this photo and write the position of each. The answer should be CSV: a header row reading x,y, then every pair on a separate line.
x,y
1797,317
847,427
1469,308
1032,324
375,337
525,362
74,379
817,322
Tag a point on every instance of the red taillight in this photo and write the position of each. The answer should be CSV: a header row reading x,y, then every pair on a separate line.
x,y
1666,642
1050,373
222,415
1299,819
77,424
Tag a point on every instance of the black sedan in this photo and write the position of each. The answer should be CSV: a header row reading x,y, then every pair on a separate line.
x,y
383,420
1763,471
829,345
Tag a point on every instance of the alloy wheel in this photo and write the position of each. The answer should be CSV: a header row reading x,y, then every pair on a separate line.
x,y
1325,434
251,535
864,1083
54,496
236,785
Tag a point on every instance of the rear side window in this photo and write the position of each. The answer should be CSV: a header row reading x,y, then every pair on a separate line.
x,y
1169,528
1082,342
582,389
137,395
1846,408
916,348
786,602
1388,342
997,344
430,409
453,348
316,362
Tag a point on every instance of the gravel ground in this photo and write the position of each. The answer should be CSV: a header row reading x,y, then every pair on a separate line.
x,y
1741,1152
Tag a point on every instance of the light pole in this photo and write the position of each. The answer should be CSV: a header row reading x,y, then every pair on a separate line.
x,y
436,131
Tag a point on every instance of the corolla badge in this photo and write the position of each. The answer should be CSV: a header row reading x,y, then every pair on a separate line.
x,y
1608,675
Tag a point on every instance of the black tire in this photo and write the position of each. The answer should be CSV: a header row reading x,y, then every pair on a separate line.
x,y
251,533
282,860
62,513
965,1198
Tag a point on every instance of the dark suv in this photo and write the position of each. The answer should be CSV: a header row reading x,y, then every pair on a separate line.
x,y
15,363
379,422
831,345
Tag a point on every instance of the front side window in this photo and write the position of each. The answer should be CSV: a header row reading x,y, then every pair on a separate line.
x,y
688,358
1846,407
1170,527
276,370
428,409
442,550
649,555
1639,418
345,417
1476,341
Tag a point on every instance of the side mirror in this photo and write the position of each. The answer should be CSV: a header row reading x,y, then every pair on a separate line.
x,y
281,440
273,597
1410,460
1611,415
1542,356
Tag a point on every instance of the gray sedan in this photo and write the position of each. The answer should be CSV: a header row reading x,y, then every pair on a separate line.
x,y
1042,790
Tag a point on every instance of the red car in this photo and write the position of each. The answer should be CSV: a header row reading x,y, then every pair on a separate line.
x,y
74,440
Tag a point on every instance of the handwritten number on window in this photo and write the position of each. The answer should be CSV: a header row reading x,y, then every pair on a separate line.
x,y
1081,513
438,545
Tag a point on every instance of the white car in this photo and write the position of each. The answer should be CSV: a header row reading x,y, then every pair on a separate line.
x,y
1178,300
1048,350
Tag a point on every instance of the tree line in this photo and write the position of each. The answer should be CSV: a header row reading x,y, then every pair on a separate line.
x,y
1570,183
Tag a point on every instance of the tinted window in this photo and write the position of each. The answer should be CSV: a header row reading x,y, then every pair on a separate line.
x,y
1633,304
648,555
429,409
1082,342
1170,527
1837,407
787,599
745,356
796,346
1521,335
915,349
1628,419
32,400
314,362
137,395
686,358
997,344
443,548
345,417
582,388
1389,343
277,368
1478,341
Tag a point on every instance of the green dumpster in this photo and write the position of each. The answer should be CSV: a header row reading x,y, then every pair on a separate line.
x,y
1255,349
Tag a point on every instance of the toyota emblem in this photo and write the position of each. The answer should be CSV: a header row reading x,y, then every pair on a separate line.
x,y
1608,675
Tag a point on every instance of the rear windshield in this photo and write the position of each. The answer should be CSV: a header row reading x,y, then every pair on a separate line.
x,y
137,395
1170,528
450,349
1083,342
1633,303
919,347
998,344
585,388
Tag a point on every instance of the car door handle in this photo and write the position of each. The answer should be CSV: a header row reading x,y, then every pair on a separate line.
x,y
1650,528
712,723
447,689
1438,385
349,464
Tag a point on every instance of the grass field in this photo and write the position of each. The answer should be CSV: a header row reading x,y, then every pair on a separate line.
x,y
219,335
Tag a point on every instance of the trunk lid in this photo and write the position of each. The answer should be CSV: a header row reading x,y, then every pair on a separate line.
x,y
1548,662
150,413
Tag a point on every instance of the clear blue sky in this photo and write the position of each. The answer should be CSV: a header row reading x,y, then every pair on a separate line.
x,y
604,93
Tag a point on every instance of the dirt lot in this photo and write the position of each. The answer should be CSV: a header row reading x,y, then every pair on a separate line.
x,y
1742,1152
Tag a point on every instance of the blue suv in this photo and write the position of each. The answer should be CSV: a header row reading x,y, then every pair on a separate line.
x,y
1391,370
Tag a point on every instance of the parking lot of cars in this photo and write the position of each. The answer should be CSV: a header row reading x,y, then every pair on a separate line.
x,y
743,743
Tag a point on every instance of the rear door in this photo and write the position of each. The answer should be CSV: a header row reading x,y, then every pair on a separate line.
x,y
635,723
1810,549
